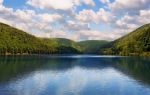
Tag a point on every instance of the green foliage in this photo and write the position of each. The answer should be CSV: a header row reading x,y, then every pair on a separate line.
x,y
14,41
136,43
92,46
65,42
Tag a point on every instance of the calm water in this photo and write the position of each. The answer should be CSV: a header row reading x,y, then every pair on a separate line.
x,y
74,75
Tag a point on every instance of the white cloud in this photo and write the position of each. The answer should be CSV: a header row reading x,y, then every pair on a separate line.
x,y
98,35
124,22
49,17
84,34
52,34
144,16
28,20
76,25
1,2
134,21
129,5
58,34
87,16
58,4
24,15
105,1
100,16
51,4
5,21
5,11
89,2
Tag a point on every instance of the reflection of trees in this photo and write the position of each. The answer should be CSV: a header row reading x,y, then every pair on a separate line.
x,y
14,67
138,68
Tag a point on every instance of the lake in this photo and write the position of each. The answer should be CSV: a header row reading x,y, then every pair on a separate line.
x,y
74,75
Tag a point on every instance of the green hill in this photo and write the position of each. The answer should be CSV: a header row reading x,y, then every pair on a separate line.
x,y
15,41
134,43
65,42
92,46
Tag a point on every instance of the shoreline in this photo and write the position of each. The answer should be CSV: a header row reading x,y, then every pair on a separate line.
x,y
26,54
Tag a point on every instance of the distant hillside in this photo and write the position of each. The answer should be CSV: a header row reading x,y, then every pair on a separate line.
x,y
15,41
134,43
92,46
65,42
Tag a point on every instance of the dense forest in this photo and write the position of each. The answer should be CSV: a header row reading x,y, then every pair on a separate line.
x,y
136,43
15,41
92,46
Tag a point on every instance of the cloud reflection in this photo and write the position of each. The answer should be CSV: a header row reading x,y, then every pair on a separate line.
x,y
77,81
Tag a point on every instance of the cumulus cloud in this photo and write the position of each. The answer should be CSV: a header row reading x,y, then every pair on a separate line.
x,y
51,4
98,35
129,5
97,17
75,25
52,34
1,2
5,11
49,17
24,15
133,21
89,2
65,19
28,20
59,4
144,16
84,34
105,1
125,22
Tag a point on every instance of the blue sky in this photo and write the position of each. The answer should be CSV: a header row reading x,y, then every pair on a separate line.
x,y
76,19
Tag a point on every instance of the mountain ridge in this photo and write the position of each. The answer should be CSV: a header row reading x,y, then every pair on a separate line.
x,y
15,41
135,43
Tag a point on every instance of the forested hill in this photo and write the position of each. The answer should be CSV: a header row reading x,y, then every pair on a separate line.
x,y
65,42
92,46
134,43
15,41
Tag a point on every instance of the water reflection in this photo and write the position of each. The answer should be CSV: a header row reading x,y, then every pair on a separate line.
x,y
74,75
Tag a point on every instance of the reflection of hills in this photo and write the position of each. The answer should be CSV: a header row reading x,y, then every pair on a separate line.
x,y
137,68
13,67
